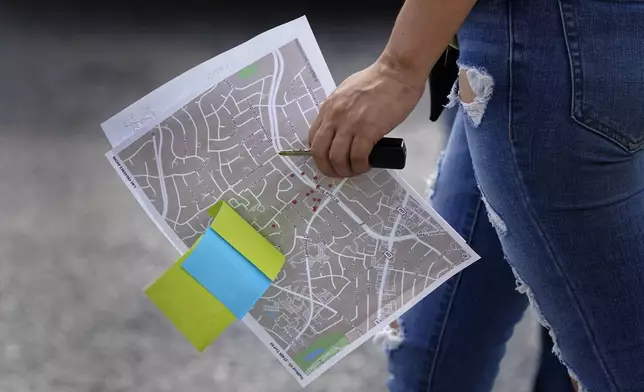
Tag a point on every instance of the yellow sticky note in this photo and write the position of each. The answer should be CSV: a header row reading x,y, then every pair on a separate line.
x,y
246,240
199,316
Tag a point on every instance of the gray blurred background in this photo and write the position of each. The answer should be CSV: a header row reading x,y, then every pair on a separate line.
x,y
75,247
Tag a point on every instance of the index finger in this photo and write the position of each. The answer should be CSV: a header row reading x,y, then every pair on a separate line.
x,y
315,127
320,146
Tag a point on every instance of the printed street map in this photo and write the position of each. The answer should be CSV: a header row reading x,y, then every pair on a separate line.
x,y
359,252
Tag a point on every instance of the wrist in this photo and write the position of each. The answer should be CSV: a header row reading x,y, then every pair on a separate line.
x,y
404,69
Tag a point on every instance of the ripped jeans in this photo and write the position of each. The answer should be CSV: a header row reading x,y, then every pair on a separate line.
x,y
454,339
554,122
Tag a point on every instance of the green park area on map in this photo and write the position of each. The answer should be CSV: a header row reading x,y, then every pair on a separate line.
x,y
248,71
316,350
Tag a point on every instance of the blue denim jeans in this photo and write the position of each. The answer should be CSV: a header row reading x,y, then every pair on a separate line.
x,y
455,338
555,133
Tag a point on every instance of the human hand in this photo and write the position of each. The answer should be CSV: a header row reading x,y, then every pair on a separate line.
x,y
363,109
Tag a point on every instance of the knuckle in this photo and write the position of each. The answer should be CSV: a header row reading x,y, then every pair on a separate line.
x,y
341,133
361,148
356,126
336,159
345,134
312,133
318,153
358,151
335,108
329,105
358,159
327,171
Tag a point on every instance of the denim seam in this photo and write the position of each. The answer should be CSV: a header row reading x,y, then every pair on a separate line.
x,y
551,254
430,377
510,70
556,263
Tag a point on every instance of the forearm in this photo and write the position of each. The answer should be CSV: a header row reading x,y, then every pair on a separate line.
x,y
422,31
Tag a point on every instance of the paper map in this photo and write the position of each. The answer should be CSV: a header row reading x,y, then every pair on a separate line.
x,y
359,252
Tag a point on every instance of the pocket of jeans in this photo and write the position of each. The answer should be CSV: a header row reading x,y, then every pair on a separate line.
x,y
605,40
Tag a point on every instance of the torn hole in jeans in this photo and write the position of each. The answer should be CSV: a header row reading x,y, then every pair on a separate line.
x,y
495,219
473,90
431,181
391,337
523,288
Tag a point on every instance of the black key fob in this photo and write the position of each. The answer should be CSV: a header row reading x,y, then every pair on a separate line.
x,y
389,153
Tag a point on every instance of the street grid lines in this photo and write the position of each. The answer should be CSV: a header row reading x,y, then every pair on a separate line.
x,y
357,249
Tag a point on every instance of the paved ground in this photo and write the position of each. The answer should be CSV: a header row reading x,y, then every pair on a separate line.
x,y
76,249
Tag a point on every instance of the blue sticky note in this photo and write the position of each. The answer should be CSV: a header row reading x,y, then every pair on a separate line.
x,y
226,274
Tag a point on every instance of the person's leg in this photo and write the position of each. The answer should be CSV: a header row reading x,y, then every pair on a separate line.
x,y
551,374
454,339
556,146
